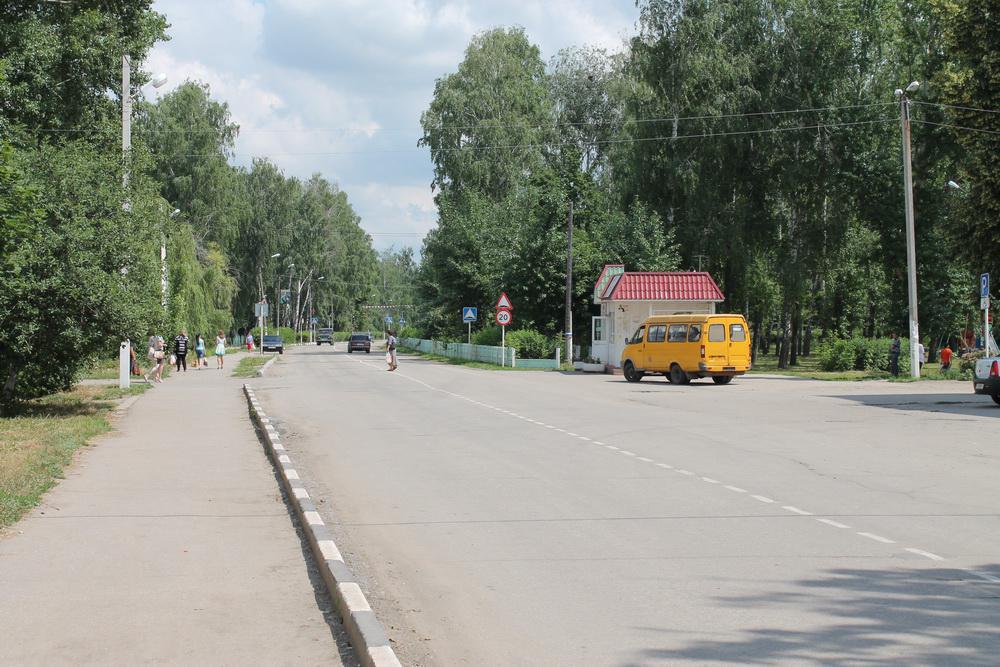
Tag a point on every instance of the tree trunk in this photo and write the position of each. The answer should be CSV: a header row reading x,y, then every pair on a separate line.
x,y
796,334
786,339
8,386
807,341
754,340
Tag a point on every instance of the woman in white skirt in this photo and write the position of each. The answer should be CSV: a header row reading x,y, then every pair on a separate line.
x,y
220,350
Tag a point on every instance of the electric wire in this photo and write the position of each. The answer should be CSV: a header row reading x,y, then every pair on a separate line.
x,y
956,127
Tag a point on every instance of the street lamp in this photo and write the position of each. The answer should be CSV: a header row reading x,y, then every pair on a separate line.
x,y
911,248
158,81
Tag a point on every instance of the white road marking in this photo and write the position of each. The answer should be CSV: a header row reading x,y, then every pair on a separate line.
x,y
985,577
684,472
763,499
877,538
835,524
583,437
792,508
291,473
626,452
277,446
300,493
353,596
284,459
611,447
710,480
314,519
665,465
735,488
643,458
598,442
571,434
548,426
925,554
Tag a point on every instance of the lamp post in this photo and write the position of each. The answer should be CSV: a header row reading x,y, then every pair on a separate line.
x,y
157,82
911,246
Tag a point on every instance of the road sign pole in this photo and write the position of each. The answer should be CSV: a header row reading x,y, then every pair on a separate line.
x,y
470,332
503,346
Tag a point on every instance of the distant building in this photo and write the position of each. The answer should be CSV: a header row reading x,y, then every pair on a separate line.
x,y
627,298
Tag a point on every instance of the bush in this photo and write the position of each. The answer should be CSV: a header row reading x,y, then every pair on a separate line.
x,y
530,344
408,332
488,336
860,354
967,362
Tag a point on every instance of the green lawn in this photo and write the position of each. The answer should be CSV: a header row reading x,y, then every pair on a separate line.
x,y
247,368
38,443
808,367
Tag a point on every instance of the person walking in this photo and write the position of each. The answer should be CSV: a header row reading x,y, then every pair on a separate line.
x,y
156,356
946,355
390,354
199,350
181,350
894,355
220,350
921,355
250,347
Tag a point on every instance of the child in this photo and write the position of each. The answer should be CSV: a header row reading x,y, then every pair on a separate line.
x,y
199,349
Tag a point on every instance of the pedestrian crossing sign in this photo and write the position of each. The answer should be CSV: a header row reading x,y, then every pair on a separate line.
x,y
470,314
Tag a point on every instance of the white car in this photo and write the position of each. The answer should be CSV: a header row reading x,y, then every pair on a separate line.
x,y
986,378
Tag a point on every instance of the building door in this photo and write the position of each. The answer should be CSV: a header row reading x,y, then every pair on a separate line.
x,y
599,338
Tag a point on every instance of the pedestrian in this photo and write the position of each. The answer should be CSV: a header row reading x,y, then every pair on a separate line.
x,y
220,350
921,355
250,347
156,357
181,350
390,351
894,355
946,355
199,349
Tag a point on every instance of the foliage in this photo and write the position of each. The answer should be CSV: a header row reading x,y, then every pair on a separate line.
x,y
530,344
861,354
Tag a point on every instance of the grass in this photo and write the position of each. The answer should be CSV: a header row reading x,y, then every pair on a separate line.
x,y
808,367
39,442
247,368
482,365
102,369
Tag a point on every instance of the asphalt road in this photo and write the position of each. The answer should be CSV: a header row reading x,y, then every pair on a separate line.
x,y
503,518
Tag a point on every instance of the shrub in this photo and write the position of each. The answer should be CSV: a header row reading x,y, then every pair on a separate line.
x,y
488,336
860,354
967,362
530,344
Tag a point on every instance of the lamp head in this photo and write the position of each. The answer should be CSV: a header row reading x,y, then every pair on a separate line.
x,y
912,88
175,213
954,186
898,93
159,80
277,254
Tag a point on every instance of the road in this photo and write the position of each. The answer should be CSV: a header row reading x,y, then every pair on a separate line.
x,y
503,518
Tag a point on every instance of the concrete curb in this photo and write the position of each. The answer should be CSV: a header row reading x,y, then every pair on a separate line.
x,y
267,364
368,637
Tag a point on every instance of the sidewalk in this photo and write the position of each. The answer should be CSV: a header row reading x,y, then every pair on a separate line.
x,y
168,542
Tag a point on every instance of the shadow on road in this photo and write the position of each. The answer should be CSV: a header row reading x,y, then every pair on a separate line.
x,y
900,616
955,404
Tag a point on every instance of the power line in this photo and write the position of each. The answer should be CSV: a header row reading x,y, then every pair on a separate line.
x,y
957,127
953,106
536,126
604,142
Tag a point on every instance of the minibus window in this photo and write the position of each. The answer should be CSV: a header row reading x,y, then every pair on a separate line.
x,y
716,333
737,333
678,333
637,336
657,333
694,333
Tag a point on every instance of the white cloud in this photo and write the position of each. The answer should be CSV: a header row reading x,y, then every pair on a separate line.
x,y
338,87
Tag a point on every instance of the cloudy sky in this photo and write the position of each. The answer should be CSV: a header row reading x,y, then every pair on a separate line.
x,y
338,86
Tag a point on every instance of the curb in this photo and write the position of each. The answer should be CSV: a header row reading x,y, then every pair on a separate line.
x,y
368,636
263,369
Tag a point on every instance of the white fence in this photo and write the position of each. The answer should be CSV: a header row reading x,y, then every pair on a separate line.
x,y
486,353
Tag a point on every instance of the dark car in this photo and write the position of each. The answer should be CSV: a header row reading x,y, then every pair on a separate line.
x,y
324,336
359,341
273,344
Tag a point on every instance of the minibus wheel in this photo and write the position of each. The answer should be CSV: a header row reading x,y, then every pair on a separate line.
x,y
722,379
678,376
631,374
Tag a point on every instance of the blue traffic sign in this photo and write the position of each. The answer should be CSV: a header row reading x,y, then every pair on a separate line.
x,y
388,319
470,314
984,285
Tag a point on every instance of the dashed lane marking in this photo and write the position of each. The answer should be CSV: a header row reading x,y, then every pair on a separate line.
x,y
796,510
763,499
877,538
835,524
925,554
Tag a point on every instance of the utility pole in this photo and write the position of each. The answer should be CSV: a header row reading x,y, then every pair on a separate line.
x,y
911,246
569,286
126,117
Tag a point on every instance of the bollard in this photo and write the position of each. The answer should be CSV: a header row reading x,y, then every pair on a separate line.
x,y
124,365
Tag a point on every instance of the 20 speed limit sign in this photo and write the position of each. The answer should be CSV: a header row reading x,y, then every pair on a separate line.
x,y
504,317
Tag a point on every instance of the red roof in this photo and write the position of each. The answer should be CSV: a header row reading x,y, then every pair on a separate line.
x,y
663,286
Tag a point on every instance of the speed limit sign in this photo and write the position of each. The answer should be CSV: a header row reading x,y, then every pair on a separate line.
x,y
504,317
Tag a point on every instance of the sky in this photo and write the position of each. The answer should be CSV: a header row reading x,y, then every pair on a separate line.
x,y
338,86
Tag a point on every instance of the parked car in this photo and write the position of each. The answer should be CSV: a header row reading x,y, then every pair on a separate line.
x,y
273,344
687,347
359,342
324,336
986,378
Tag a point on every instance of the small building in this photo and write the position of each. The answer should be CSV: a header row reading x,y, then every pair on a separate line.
x,y
627,298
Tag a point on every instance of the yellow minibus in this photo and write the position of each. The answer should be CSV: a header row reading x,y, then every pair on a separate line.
x,y
686,347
